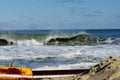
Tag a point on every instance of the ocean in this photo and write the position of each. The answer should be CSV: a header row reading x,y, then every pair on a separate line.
x,y
58,49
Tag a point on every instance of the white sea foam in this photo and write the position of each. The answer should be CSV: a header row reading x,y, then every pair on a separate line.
x,y
53,76
109,40
31,42
67,66
57,57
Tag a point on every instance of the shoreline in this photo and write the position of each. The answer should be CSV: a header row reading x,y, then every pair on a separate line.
x,y
108,69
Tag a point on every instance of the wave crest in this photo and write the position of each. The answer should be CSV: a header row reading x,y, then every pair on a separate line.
x,y
79,39
55,39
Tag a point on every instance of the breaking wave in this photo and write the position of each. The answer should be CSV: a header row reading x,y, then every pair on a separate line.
x,y
55,39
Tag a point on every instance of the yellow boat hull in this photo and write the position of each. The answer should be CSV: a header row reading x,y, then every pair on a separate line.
x,y
15,73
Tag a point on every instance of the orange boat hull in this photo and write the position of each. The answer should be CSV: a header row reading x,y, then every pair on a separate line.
x,y
19,73
15,73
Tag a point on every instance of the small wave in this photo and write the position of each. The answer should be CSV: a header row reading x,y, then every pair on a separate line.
x,y
21,39
68,66
31,42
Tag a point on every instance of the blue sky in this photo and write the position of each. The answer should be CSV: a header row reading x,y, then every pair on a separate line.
x,y
59,14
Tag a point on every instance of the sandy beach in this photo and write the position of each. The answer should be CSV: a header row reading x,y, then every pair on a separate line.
x,y
108,69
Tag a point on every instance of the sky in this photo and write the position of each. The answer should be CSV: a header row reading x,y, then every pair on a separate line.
x,y
59,14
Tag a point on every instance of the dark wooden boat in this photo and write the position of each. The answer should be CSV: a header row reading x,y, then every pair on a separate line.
x,y
20,73
58,72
